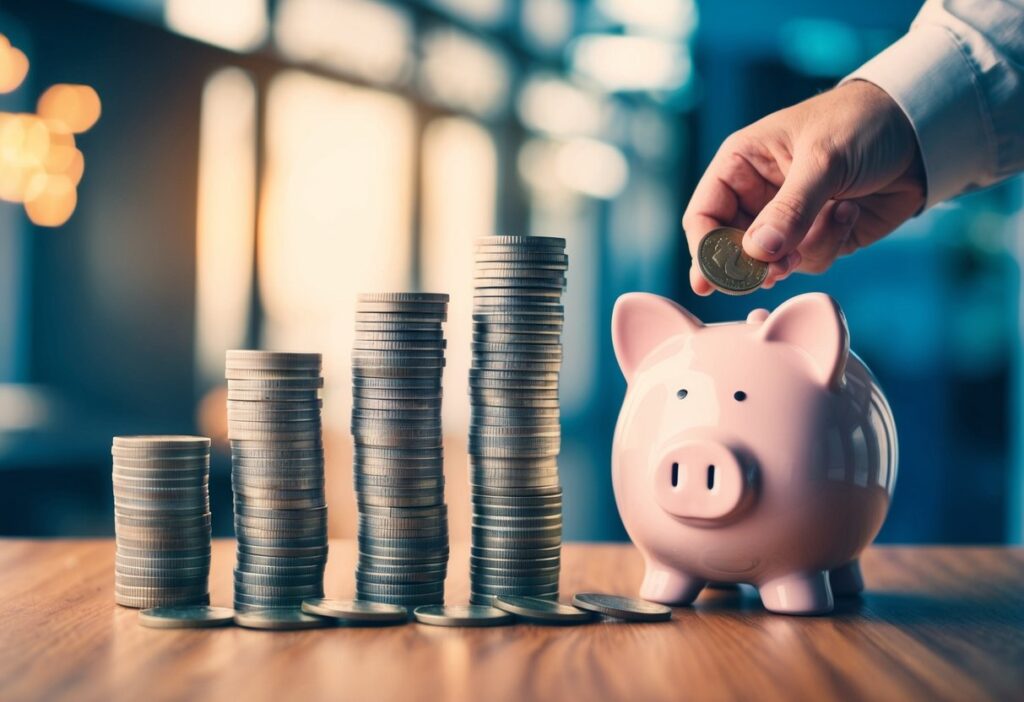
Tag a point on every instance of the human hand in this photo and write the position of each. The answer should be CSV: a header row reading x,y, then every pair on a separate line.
x,y
812,182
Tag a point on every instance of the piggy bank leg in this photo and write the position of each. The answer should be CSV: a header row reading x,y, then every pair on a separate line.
x,y
798,593
846,580
669,586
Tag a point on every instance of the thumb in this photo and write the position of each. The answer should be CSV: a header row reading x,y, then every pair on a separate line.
x,y
785,220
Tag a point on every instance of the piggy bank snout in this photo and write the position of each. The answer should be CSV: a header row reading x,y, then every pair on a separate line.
x,y
702,480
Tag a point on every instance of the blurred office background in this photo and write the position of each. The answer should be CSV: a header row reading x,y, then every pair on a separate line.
x,y
184,176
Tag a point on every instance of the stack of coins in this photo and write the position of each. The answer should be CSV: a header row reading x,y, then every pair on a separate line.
x,y
397,366
514,435
277,474
161,520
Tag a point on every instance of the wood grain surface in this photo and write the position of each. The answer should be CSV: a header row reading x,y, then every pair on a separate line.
x,y
936,624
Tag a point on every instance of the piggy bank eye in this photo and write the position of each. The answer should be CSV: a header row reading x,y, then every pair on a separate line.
x,y
739,396
682,393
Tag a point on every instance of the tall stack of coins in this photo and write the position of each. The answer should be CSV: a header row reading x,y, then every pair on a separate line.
x,y
161,520
277,474
397,366
514,435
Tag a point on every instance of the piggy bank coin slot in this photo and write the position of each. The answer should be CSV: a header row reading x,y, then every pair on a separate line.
x,y
675,475
711,477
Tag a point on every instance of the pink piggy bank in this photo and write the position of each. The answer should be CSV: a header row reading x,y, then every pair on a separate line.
x,y
759,452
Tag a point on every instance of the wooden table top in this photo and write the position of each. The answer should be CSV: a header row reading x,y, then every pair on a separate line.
x,y
936,623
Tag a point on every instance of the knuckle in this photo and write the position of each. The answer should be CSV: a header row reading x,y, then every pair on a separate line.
x,y
825,157
789,209
734,143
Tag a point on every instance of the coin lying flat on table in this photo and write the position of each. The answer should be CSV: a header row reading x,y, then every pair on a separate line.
x,y
622,607
356,611
462,615
721,259
280,620
541,611
198,617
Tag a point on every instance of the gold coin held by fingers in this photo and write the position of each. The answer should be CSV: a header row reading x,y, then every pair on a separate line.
x,y
723,262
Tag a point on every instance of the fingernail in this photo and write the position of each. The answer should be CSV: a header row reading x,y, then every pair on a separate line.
x,y
768,239
846,212
695,280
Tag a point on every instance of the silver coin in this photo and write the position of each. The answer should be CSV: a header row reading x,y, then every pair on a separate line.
x,y
280,358
461,615
534,609
436,318
424,357
274,417
492,328
514,566
420,349
279,482
249,560
510,263
280,620
150,601
157,442
425,297
520,498
200,617
269,374
512,584
312,383
424,384
249,406
356,611
281,551
422,576
484,510
524,242
415,312
246,578
276,396
622,607
400,342
505,553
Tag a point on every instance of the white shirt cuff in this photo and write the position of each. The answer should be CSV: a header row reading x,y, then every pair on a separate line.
x,y
926,74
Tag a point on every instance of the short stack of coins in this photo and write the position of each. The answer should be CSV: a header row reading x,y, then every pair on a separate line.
x,y
277,475
514,435
398,360
161,520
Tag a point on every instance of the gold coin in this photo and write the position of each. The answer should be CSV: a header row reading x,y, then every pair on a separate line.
x,y
722,261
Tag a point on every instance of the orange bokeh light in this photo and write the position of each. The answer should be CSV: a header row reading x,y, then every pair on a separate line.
x,y
13,67
77,107
50,199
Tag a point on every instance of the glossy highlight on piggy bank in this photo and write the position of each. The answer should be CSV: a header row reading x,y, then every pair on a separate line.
x,y
760,452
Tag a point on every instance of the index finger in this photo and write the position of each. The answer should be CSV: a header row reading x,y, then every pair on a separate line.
x,y
730,193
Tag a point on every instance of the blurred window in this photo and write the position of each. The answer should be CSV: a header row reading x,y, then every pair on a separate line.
x,y
370,40
460,172
335,216
549,104
464,73
239,25
225,226
547,24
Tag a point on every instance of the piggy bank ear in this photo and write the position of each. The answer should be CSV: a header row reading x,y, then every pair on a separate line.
x,y
814,324
641,322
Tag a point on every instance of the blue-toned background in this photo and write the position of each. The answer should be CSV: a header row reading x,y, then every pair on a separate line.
x,y
259,162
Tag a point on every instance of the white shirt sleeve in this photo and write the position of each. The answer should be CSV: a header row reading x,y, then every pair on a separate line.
x,y
958,75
